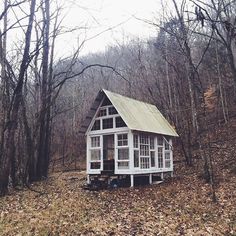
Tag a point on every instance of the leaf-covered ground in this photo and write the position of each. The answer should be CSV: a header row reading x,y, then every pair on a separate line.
x,y
179,206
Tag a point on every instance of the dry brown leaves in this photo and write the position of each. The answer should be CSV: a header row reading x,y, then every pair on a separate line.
x,y
180,206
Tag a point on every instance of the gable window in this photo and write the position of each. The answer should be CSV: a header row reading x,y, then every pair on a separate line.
x,y
120,122
112,111
102,112
96,125
107,123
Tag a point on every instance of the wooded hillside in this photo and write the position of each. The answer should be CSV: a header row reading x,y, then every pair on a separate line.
x,y
188,70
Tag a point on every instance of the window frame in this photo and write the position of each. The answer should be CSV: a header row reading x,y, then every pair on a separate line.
x,y
120,147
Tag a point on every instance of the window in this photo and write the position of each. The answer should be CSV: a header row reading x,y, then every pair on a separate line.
x,y
144,145
160,157
123,165
112,111
95,154
107,123
144,162
136,158
135,141
144,139
122,139
152,145
120,122
152,153
96,125
167,145
123,154
167,159
102,112
144,150
159,141
95,165
95,141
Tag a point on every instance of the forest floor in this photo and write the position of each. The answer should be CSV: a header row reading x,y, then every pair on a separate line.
x,y
181,205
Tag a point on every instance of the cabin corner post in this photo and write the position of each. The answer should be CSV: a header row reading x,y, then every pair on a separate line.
x,y
150,178
87,153
88,179
131,181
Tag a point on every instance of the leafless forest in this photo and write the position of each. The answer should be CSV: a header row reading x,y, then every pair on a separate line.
x,y
188,71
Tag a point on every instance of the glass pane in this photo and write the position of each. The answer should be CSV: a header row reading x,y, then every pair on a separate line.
x,y
123,165
144,150
159,141
95,141
102,112
152,143
96,125
136,158
122,139
135,141
160,157
107,123
152,153
95,155
144,139
167,146
120,122
95,165
123,154
144,162
112,111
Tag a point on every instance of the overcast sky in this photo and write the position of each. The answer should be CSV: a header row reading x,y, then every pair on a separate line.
x,y
100,15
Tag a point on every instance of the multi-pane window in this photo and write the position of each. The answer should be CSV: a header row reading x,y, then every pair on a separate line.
x,y
167,160
95,141
144,162
107,123
144,145
120,122
96,125
160,157
122,139
144,150
112,111
123,151
95,153
144,139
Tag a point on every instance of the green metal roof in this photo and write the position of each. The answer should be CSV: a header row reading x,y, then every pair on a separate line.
x,y
140,116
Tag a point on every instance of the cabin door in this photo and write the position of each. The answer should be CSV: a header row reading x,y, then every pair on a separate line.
x,y
108,152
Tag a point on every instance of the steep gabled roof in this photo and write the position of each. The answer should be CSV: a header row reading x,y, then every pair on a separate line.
x,y
137,115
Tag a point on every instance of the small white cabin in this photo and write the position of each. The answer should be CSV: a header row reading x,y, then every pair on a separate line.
x,y
127,137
